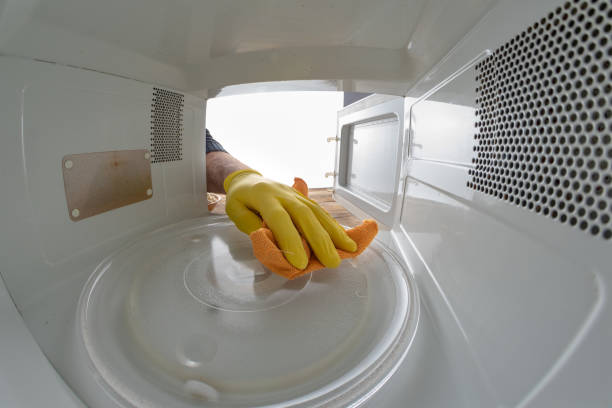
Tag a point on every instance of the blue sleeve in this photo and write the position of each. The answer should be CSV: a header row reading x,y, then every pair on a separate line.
x,y
212,145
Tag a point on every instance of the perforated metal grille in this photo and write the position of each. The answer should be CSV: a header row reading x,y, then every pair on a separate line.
x,y
166,126
544,126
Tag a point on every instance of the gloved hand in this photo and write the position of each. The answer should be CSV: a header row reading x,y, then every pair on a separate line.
x,y
288,214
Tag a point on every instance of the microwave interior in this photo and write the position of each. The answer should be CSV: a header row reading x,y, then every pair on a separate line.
x,y
481,147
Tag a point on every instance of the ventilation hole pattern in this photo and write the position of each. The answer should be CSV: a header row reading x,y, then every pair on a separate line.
x,y
544,118
166,126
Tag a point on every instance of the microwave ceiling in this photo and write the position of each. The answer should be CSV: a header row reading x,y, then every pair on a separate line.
x,y
195,45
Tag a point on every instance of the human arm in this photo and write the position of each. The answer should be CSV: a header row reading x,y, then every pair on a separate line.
x,y
219,165
253,199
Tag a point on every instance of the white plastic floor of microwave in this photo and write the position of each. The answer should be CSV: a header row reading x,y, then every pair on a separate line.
x,y
187,317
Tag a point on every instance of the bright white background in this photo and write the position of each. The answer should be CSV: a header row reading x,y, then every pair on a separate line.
x,y
282,134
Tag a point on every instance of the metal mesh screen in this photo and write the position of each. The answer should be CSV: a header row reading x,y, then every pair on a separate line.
x,y
166,126
543,125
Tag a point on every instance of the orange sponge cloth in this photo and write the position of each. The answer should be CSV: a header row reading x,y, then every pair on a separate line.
x,y
270,255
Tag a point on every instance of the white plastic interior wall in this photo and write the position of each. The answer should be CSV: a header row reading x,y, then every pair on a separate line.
x,y
513,294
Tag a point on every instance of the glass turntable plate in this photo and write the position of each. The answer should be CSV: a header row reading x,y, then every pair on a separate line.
x,y
186,316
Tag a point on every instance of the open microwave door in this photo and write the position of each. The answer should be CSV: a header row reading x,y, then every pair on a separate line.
x,y
368,156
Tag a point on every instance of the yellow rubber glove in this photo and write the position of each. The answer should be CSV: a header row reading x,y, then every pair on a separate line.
x,y
290,215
